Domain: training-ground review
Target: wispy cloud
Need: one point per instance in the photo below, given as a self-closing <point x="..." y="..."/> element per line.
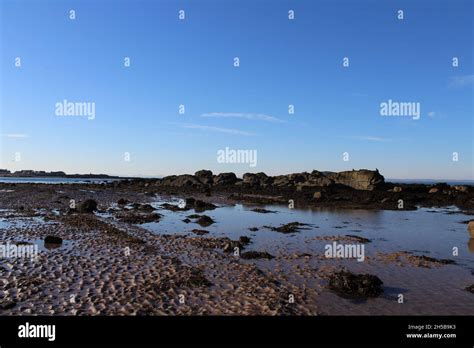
<point x="366" y="138"/>
<point x="15" y="136"/>
<point x="461" y="81"/>
<point x="431" y="114"/>
<point x="213" y="129"/>
<point x="248" y="116"/>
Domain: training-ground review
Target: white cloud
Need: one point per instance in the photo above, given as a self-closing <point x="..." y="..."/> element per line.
<point x="431" y="114"/>
<point x="248" y="116"/>
<point x="16" y="136"/>
<point x="213" y="129"/>
<point x="461" y="81"/>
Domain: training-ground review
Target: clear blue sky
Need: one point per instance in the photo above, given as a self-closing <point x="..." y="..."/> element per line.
<point x="283" y="62"/>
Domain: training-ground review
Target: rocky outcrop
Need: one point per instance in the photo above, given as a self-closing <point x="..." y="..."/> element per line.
<point x="225" y="179"/>
<point x="315" y="179"/>
<point x="204" y="176"/>
<point x="358" y="179"/>
<point x="259" y="179"/>
<point x="184" y="181"/>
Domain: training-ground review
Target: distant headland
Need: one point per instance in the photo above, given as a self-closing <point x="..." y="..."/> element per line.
<point x="56" y="174"/>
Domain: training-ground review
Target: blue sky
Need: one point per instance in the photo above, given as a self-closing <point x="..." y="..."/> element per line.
<point x="282" y="62"/>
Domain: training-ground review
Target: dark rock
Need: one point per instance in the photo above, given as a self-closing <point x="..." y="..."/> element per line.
<point x="253" y="229"/>
<point x="225" y="179"/>
<point x="194" y="216"/>
<point x="263" y="211"/>
<point x="88" y="206"/>
<point x="181" y="181"/>
<point x="122" y="201"/>
<point x="204" y="176"/>
<point x="315" y="179"/>
<point x="146" y="207"/>
<point x="244" y="240"/>
<point x="258" y="179"/>
<point x="190" y="202"/>
<point x="288" y="228"/>
<point x="358" y="285"/>
<point x="202" y="220"/>
<point x="470" y="288"/>
<point x="362" y="179"/>
<point x="53" y="240"/>
<point x="256" y="255"/>
<point x="201" y="205"/>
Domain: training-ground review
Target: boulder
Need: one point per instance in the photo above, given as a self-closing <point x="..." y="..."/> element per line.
<point x="397" y="189"/>
<point x="259" y="179"/>
<point x="244" y="240"/>
<point x="204" y="176"/>
<point x="359" y="285"/>
<point x="88" y="206"/>
<point x="433" y="190"/>
<point x="53" y="240"/>
<point x="363" y="179"/>
<point x="225" y="179"/>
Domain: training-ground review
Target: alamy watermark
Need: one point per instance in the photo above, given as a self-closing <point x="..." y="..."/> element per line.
<point x="345" y="251"/>
<point x="394" y="108"/>
<point x="11" y="250"/>
<point x="237" y="156"/>
<point x="67" y="108"/>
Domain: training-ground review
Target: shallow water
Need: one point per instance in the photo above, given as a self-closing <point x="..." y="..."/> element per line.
<point x="424" y="231"/>
<point x="430" y="232"/>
